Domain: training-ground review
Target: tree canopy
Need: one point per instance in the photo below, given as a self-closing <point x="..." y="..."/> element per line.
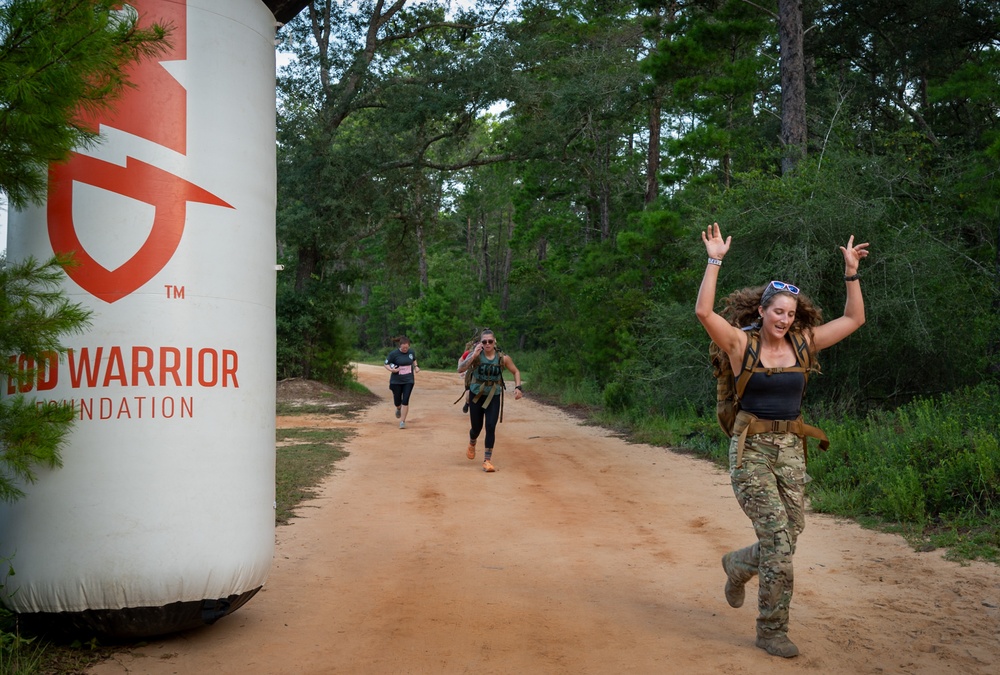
<point x="544" y="167"/>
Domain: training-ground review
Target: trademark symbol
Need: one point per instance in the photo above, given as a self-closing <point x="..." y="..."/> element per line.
<point x="174" y="292"/>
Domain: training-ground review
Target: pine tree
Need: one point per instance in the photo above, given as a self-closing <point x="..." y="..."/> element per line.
<point x="34" y="314"/>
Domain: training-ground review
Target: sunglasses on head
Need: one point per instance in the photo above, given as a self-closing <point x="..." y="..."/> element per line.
<point x="488" y="342"/>
<point x="784" y="286"/>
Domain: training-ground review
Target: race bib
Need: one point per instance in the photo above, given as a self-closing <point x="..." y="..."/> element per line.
<point x="405" y="370"/>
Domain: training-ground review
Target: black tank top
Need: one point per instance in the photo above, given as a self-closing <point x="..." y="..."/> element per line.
<point x="774" y="397"/>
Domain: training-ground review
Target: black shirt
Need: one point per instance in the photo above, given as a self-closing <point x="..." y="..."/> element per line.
<point x="775" y="396"/>
<point x="406" y="362"/>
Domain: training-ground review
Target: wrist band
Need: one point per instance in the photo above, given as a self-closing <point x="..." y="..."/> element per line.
<point x="853" y="277"/>
<point x="715" y="261"/>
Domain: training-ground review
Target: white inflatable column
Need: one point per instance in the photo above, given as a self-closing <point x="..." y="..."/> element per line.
<point x="161" y="517"/>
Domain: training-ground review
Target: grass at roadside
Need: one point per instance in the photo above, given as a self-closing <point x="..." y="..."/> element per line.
<point x="928" y="471"/>
<point x="305" y="456"/>
<point x="25" y="655"/>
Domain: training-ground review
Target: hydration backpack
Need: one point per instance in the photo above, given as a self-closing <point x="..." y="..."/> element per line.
<point x="495" y="375"/>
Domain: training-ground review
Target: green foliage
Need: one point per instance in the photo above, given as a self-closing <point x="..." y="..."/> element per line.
<point x="790" y="229"/>
<point x="59" y="59"/>
<point x="902" y="77"/>
<point x="930" y="461"/>
<point x="31" y="436"/>
<point x="617" y="397"/>
<point x="19" y="655"/>
<point x="34" y="315"/>
<point x="967" y="537"/>
<point x="673" y="371"/>
<point x="312" y="341"/>
<point x="449" y="313"/>
<point x="368" y="133"/>
<point x="716" y="60"/>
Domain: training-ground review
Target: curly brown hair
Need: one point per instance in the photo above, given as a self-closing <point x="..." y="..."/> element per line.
<point x="740" y="308"/>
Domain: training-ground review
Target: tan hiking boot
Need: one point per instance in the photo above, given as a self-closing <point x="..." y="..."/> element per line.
<point x="779" y="645"/>
<point x="488" y="467"/>
<point x="470" y="451"/>
<point x="735" y="590"/>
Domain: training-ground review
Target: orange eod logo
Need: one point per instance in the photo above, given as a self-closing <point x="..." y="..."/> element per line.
<point x="156" y="110"/>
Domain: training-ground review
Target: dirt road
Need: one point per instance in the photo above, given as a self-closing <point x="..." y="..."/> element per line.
<point x="583" y="554"/>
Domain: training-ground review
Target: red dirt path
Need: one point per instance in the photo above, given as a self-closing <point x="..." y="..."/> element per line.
<point x="582" y="554"/>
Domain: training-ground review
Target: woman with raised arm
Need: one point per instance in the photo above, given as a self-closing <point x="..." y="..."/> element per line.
<point x="486" y="389"/>
<point x="767" y="449"/>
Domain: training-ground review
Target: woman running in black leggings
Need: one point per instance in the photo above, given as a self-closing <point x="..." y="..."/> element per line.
<point x="486" y="393"/>
<point x="402" y="363"/>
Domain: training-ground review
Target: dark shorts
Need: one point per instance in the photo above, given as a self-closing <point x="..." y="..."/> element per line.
<point x="401" y="393"/>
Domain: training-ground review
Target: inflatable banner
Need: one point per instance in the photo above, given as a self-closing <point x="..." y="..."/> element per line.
<point x="162" y="515"/>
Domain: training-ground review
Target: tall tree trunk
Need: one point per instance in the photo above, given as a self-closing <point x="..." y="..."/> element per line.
<point x="605" y="197"/>
<point x="653" y="152"/>
<point x="470" y="247"/>
<point x="507" y="261"/>
<point x="993" y="350"/>
<point x="422" y="252"/>
<point x="366" y="297"/>
<point x="485" y="271"/>
<point x="793" y="83"/>
<point x="308" y="262"/>
<point x="418" y="226"/>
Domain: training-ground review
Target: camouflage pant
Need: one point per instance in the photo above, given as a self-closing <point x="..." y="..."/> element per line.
<point x="769" y="487"/>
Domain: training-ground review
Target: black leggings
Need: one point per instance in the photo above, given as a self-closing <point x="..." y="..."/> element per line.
<point x="490" y="415"/>
<point x="401" y="393"/>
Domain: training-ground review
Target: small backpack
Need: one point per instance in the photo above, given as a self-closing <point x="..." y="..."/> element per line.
<point x="468" y="376"/>
<point x="729" y="389"/>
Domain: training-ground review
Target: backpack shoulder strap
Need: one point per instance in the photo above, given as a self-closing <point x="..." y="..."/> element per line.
<point x="751" y="357"/>
<point x="802" y="351"/>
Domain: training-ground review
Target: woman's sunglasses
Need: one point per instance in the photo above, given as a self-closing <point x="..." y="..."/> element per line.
<point x="488" y="342"/>
<point x="784" y="286"/>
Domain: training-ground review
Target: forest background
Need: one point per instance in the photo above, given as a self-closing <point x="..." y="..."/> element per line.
<point x="544" y="167"/>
